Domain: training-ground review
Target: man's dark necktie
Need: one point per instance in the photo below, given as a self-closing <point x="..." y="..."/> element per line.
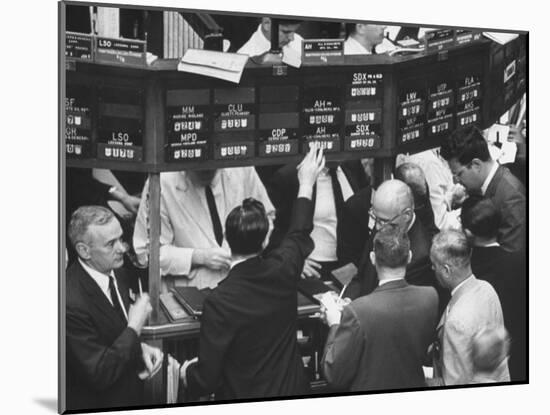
<point x="339" y="206"/>
<point x="114" y="298"/>
<point x="216" y="224"/>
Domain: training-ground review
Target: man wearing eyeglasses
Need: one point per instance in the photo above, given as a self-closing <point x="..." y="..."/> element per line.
<point x="472" y="166"/>
<point x="393" y="203"/>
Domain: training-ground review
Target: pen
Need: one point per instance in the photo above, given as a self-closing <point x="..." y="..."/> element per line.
<point x="140" y="287"/>
<point x="342" y="292"/>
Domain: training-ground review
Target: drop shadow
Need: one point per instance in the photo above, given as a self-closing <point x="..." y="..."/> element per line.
<point x="48" y="403"/>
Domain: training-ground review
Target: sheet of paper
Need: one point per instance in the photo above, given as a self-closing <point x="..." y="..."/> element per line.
<point x="211" y="72"/>
<point x="291" y="57"/>
<point x="328" y="300"/>
<point x="501" y="38"/>
<point x="226" y="66"/>
<point x="508" y="152"/>
<point x="497" y="131"/>
<point x="233" y="62"/>
<point x="385" y="47"/>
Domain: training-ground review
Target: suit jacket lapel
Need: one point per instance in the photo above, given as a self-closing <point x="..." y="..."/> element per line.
<point x="123" y="289"/>
<point x="350" y="177"/>
<point x="493" y="184"/>
<point x="98" y="300"/>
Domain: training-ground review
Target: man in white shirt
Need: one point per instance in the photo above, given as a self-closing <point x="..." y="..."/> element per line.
<point x="474" y="307"/>
<point x="444" y="193"/>
<point x="193" y="209"/>
<point x="341" y="197"/>
<point x="363" y="38"/>
<point x="260" y="41"/>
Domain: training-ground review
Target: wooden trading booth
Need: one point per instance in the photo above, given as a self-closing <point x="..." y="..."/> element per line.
<point x="154" y="119"/>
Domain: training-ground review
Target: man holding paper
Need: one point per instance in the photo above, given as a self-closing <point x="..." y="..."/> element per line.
<point x="379" y="341"/>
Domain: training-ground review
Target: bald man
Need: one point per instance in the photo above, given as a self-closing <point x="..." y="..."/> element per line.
<point x="393" y="205"/>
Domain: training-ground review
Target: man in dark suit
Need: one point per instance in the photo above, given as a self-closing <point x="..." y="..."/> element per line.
<point x="340" y="228"/>
<point x="248" y="346"/>
<point x="471" y="164"/>
<point x="393" y="203"/>
<point x="504" y="270"/>
<point x="379" y="341"/>
<point x="106" y="363"/>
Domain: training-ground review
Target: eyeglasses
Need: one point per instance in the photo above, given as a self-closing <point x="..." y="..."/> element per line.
<point x="384" y="222"/>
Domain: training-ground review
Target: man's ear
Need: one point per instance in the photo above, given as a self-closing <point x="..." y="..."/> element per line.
<point x="266" y="27"/>
<point x="476" y="164"/>
<point x="447" y="269"/>
<point x="82" y="250"/>
<point x="372" y="258"/>
<point x="408" y="215"/>
<point x="266" y="24"/>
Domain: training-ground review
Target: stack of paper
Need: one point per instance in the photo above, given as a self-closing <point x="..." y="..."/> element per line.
<point x="226" y="66"/>
<point x="499" y="37"/>
<point x="172" y="380"/>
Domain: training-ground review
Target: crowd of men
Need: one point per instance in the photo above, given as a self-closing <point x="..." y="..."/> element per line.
<point x="441" y="279"/>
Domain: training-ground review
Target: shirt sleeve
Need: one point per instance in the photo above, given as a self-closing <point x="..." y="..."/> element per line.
<point x="342" y="354"/>
<point x="173" y="260"/>
<point x="441" y="197"/>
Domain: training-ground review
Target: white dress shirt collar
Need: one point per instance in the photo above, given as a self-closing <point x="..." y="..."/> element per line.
<point x="490" y="176"/>
<point x="455" y="289"/>
<point x="381" y="283"/>
<point x="101" y="279"/>
<point x="353" y="47"/>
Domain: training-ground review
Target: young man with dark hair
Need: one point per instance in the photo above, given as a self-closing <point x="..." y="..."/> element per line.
<point x="468" y="155"/>
<point x="363" y="38"/>
<point x="379" y="341"/>
<point x="246" y="228"/>
<point x="504" y="270"/>
<point x="260" y="41"/>
<point x="248" y="346"/>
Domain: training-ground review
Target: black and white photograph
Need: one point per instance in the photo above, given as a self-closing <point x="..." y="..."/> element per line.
<point x="276" y="206"/>
<point x="245" y="207"/>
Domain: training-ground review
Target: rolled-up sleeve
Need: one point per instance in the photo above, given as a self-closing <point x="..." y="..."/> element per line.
<point x="174" y="260"/>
